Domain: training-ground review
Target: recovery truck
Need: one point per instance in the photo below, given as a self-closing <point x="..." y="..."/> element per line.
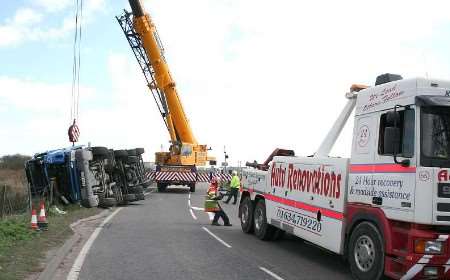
<point x="178" y="165"/>
<point x="387" y="207"/>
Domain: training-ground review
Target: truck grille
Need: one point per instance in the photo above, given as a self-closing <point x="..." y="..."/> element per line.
<point x="443" y="207"/>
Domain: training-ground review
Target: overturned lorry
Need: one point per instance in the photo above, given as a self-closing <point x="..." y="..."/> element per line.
<point x="93" y="176"/>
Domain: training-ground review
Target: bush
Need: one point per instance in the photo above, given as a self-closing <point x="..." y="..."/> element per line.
<point x="14" y="162"/>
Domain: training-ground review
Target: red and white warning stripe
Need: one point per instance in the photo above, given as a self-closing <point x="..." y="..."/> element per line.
<point x="424" y="260"/>
<point x="188" y="176"/>
<point x="176" y="176"/>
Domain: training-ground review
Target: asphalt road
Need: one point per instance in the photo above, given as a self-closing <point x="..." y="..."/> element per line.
<point x="160" y="238"/>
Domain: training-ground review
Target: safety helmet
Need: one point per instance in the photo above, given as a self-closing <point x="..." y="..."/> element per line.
<point x="215" y="180"/>
<point x="234" y="172"/>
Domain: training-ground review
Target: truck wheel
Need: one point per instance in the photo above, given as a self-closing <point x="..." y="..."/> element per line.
<point x="107" y="202"/>
<point x="246" y="215"/>
<point x="140" y="196"/>
<point x="132" y="152"/>
<point x="100" y="152"/>
<point x="147" y="184"/>
<point x="139" y="192"/>
<point x="366" y="252"/>
<point x="130" y="197"/>
<point x="192" y="187"/>
<point x="132" y="159"/>
<point x="161" y="187"/>
<point x="120" y="153"/>
<point x="263" y="230"/>
<point x="137" y="189"/>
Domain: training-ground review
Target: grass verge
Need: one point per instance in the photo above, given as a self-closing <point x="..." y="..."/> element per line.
<point x="23" y="251"/>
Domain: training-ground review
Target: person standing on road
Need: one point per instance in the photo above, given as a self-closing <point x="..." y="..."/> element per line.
<point x="212" y="204"/>
<point x="235" y="184"/>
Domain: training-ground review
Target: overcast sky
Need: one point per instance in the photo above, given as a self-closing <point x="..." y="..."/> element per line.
<point x="253" y="75"/>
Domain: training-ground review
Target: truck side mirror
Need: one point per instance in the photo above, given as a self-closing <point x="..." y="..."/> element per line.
<point x="391" y="140"/>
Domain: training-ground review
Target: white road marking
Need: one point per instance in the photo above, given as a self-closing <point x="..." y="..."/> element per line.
<point x="76" y="267"/>
<point x="198" y="208"/>
<point x="192" y="214"/>
<point x="189" y="196"/>
<point x="217" y="238"/>
<point x="189" y="203"/>
<point x="270" y="273"/>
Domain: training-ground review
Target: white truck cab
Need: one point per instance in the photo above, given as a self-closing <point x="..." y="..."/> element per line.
<point x="387" y="208"/>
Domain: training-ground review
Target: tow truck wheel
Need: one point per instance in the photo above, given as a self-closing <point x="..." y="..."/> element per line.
<point x="366" y="252"/>
<point x="246" y="215"/>
<point x="263" y="230"/>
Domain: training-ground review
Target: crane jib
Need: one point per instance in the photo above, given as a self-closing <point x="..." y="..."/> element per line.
<point x="147" y="47"/>
<point x="136" y="8"/>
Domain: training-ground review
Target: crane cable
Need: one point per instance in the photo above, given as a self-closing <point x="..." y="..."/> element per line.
<point x="74" y="131"/>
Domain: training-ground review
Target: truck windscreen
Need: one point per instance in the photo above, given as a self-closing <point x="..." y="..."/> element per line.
<point x="435" y="148"/>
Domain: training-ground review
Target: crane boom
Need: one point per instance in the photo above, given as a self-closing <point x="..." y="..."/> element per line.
<point x="143" y="38"/>
<point x="176" y="119"/>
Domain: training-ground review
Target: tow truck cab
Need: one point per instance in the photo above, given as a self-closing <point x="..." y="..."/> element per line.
<point x="387" y="208"/>
<point x="398" y="174"/>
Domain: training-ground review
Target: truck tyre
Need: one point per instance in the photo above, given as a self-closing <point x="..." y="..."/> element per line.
<point x="140" y="151"/>
<point x="161" y="187"/>
<point x="107" y="202"/>
<point x="263" y="230"/>
<point x="246" y="215"/>
<point x="192" y="187"/>
<point x="132" y="152"/>
<point x="140" y="196"/>
<point x="137" y="189"/>
<point x="366" y="252"/>
<point x="132" y="159"/>
<point x="139" y="192"/>
<point x="120" y="153"/>
<point x="147" y="184"/>
<point x="130" y="197"/>
<point x="100" y="152"/>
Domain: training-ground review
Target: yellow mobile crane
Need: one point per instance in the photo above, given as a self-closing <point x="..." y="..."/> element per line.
<point x="178" y="166"/>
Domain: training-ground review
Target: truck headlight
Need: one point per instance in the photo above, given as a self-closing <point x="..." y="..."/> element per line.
<point x="431" y="247"/>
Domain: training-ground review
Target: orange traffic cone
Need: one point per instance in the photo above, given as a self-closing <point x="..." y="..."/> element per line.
<point x="42" y="219"/>
<point x="34" y="223"/>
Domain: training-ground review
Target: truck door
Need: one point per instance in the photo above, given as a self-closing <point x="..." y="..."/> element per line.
<point x="394" y="184"/>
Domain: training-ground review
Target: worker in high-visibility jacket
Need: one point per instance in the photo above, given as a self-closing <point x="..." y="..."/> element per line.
<point x="212" y="204"/>
<point x="235" y="184"/>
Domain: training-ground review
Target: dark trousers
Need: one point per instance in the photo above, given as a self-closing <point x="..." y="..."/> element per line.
<point x="221" y="214"/>
<point x="233" y="193"/>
